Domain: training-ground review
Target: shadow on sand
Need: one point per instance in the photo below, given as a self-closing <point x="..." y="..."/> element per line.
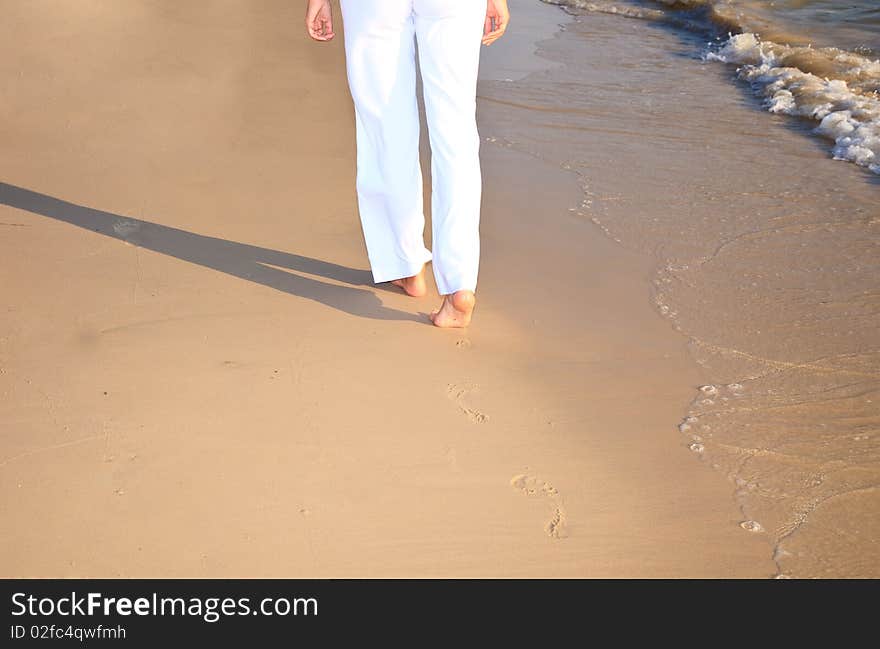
<point x="252" y="263"/>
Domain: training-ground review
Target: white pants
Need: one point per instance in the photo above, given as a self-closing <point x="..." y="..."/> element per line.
<point x="380" y="54"/>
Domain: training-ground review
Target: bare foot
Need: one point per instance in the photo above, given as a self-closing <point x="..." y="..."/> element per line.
<point x="415" y="285"/>
<point x="456" y="310"/>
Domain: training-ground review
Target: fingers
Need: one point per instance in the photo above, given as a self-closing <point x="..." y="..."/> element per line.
<point x="327" y="25"/>
<point x="494" y="35"/>
<point x="495" y="27"/>
<point x="319" y="23"/>
<point x="321" y="29"/>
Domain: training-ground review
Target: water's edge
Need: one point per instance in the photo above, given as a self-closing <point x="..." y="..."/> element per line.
<point x="791" y="423"/>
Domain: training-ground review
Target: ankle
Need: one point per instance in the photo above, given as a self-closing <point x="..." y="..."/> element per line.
<point x="463" y="300"/>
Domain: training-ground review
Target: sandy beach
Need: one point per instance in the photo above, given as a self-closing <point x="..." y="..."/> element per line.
<point x="199" y="379"/>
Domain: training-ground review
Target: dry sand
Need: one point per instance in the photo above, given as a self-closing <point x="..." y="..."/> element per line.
<point x="198" y="379"/>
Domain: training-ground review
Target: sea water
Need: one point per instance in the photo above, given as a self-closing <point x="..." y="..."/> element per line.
<point x="704" y="138"/>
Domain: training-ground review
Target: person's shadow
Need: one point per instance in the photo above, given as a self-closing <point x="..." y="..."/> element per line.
<point x="252" y="263"/>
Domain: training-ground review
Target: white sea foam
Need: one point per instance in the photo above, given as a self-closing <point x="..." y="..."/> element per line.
<point x="838" y="88"/>
<point x="847" y="108"/>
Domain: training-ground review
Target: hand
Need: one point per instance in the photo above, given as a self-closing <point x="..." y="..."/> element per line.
<point x="497" y="18"/>
<point x="319" y="20"/>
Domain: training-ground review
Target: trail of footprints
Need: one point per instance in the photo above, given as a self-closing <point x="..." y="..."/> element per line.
<point x="458" y="393"/>
<point x="557" y="526"/>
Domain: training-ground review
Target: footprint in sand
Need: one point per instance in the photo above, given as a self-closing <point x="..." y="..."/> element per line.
<point x="531" y="486"/>
<point x="458" y="393"/>
<point x="452" y="459"/>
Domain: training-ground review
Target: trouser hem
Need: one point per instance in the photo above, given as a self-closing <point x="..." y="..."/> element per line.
<point x="405" y="269"/>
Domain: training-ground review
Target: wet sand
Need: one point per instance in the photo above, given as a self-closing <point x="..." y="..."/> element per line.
<point x="197" y="377"/>
<point x="765" y="252"/>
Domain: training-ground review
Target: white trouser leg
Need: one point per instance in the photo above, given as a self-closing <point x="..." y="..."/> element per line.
<point x="449" y="34"/>
<point x="380" y="60"/>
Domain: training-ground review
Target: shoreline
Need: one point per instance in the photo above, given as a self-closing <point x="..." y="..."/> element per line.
<point x="210" y="386"/>
<point x="764" y="261"/>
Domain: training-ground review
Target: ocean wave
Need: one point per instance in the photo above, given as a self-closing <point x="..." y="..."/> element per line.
<point x="838" y="88"/>
<point x="696" y="15"/>
<point x="855" y="26"/>
<point x="610" y="8"/>
<point x="846" y="105"/>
